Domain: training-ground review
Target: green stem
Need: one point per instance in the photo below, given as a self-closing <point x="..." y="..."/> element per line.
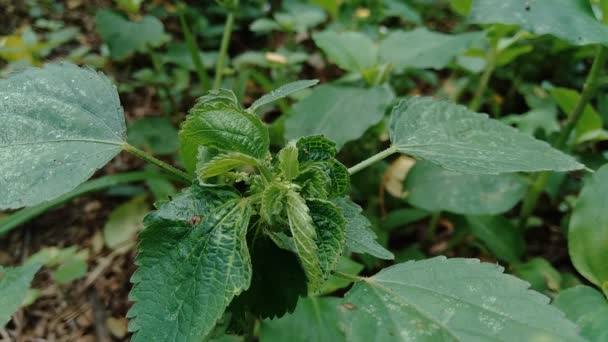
<point x="540" y="180"/>
<point x="219" y="67"/>
<point x="347" y="276"/>
<point x="157" y="162"/>
<point x="483" y="81"/>
<point x="24" y="215"/>
<point x="371" y="160"/>
<point x="194" y="52"/>
<point x="430" y="233"/>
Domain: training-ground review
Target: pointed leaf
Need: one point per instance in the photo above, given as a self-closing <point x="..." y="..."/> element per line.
<point x="14" y="284"/>
<point x="225" y="162"/>
<point x="58" y="125"/>
<point x="460" y="140"/>
<point x="288" y="162"/>
<point x="315" y="148"/>
<point x="352" y="51"/>
<point x="281" y="92"/>
<point x="330" y="226"/>
<point x="587" y="308"/>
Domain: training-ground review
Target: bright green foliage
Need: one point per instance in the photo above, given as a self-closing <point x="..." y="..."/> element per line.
<point x="422" y="48"/>
<point x="66" y="264"/>
<point x="360" y="238"/>
<point x="124" y="222"/>
<point x="59" y="124"/>
<point x="340" y="113"/>
<point x="125" y="37"/>
<point x="329" y="224"/>
<point x="224" y="163"/>
<point x="288" y="162"/>
<point x="281" y="92"/>
<point x="154" y="134"/>
<point x="461" y="6"/>
<point x="352" y="51"/>
<point x="461" y="193"/>
<point x="588" y="230"/>
<point x="443" y="299"/>
<point x="460" y="140"/>
<point x="14" y="284"/>
<point x="590" y="126"/>
<point x="190" y="270"/>
<point x="587" y="308"/>
<point x="544" y="17"/>
<point x="499" y="235"/>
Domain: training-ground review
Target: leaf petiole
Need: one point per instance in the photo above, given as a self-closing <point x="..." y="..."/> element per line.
<point x="157" y="162"/>
<point x="347" y="276"/>
<point x="371" y="160"/>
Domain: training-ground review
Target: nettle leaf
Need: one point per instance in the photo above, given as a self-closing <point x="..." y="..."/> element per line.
<point x="288" y="162"/>
<point x="457" y="139"/>
<point x="190" y="270"/>
<point x="217" y="121"/>
<point x="461" y="193"/>
<point x="340" y="113"/>
<point x="443" y="299"/>
<point x="588" y="230"/>
<point x="14" y="284"/>
<point x="499" y="235"/>
<point x="281" y="92"/>
<point x="544" y="17"/>
<point x="587" y="308"/>
<point x="314" y="181"/>
<point x="225" y="162"/>
<point x="360" y="238"/>
<point x="422" y="48"/>
<point x="352" y="51"/>
<point x="340" y="179"/>
<point x="330" y="227"/>
<point x="315" y="148"/>
<point x="125" y="37"/>
<point x="273" y="202"/>
<point x="58" y="125"/>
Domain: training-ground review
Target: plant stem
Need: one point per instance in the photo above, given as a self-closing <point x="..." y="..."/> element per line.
<point x="371" y="160"/>
<point x="348" y="276"/>
<point x="430" y="233"/>
<point x="157" y="162"/>
<point x="194" y="52"/>
<point x="219" y="66"/>
<point x="475" y="103"/>
<point x="540" y="180"/>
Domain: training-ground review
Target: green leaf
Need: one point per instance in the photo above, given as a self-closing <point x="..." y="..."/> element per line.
<point x="330" y="226"/>
<point x="339" y="113"/>
<point x="14" y="284"/>
<point x="588" y="230"/>
<point x="73" y="268"/>
<point x="125" y="37"/>
<point x="360" y="238"/>
<point x="501" y="237"/>
<point x="589" y="127"/>
<point x="124" y="222"/>
<point x="352" y="51"/>
<point x="541" y="275"/>
<point x="460" y="140"/>
<point x="461" y="6"/>
<point x="340" y="179"/>
<point x="281" y="92"/>
<point x="223" y="163"/>
<point x="155" y="134"/>
<point x="273" y="202"/>
<point x="423" y="49"/>
<point x="544" y="17"/>
<point x="315" y="148"/>
<point x="59" y="124"/>
<point x="314" y="320"/>
<point x="461" y="193"/>
<point x="587" y="308"/>
<point x="288" y="162"/>
<point x="189" y="271"/>
<point x="346" y="266"/>
<point x="443" y="299"/>
<point x="304" y="237"/>
<point x="217" y="121"/>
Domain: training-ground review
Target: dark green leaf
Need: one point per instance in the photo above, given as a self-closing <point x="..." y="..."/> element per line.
<point x="587" y="308"/>
<point x="330" y="226"/>
<point x="501" y="237"/>
<point x="315" y="148"/>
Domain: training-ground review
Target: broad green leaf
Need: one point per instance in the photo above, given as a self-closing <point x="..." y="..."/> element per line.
<point x="154" y="134"/>
<point x="499" y="235"/>
<point x="462" y="193"/>
<point x="14" y="284"/>
<point x="281" y="92"/>
<point x="288" y="162"/>
<point x="352" y="51"/>
<point x="304" y="237"/>
<point x="570" y="20"/>
<point x="340" y="179"/>
<point x="190" y="270"/>
<point x="330" y="226"/>
<point x="589" y="126"/>
<point x="543" y="118"/>
<point x="59" y="124"/>
<point x="125" y="37"/>
<point x="340" y="113"/>
<point x="443" y="299"/>
<point x="588" y="230"/>
<point x="360" y="238"/>
<point x="225" y="162"/>
<point x="422" y="48"/>
<point x="315" y="148"/>
<point x="541" y="275"/>
<point x="460" y="140"/>
<point x="124" y="222"/>
<point x="314" y="320"/>
<point x="217" y="121"/>
<point x="587" y="308"/>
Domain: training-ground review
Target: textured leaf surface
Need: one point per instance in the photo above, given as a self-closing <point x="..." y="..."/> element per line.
<point x="330" y="226"/>
<point x="499" y="235"/>
<point x="360" y="238"/>
<point x="587" y="308"/>
<point x="352" y="51"/>
<point x="288" y="162"/>
<point x="225" y="162"/>
<point x="281" y="92"/>
<point x="443" y="299"/>
<point x="339" y="113"/>
<point x="190" y="270"/>
<point x="460" y="140"/>
<point x="588" y="232"/>
<point x="14" y="284"/>
<point x="315" y="148"/>
<point x="570" y="20"/>
<point x="58" y="125"/>
<point x="461" y="193"/>
<point x="422" y="48"/>
<point x="124" y="37"/>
